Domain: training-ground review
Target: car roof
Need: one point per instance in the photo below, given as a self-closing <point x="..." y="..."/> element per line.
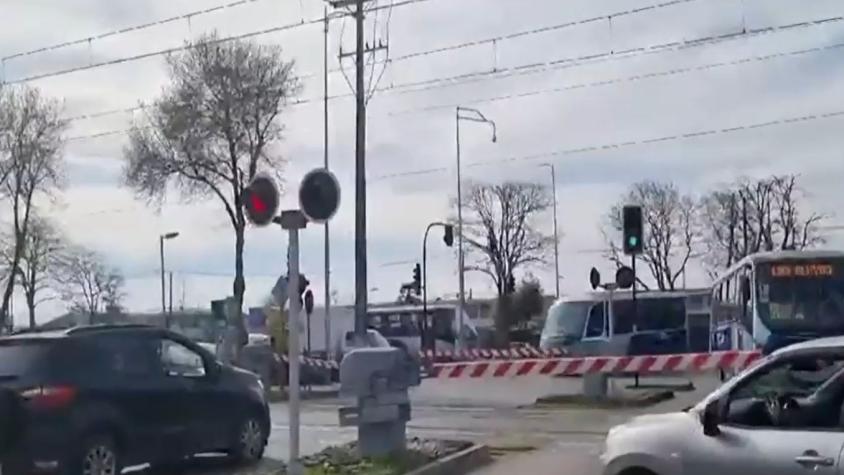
<point x="831" y="342"/>
<point x="81" y="331"/>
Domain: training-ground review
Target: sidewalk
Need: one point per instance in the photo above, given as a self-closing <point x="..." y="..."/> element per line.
<point x="570" y="458"/>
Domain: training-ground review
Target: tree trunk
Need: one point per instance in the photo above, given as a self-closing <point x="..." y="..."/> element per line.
<point x="30" y="303"/>
<point x="239" y="287"/>
<point x="502" y="321"/>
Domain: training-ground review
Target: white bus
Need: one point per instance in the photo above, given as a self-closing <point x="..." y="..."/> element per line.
<point x="771" y="299"/>
<point x="402" y="326"/>
<point x="605" y="323"/>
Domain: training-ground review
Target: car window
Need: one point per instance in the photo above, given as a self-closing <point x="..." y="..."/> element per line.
<point x="799" y="378"/>
<point x="179" y="360"/>
<point x="17" y="358"/>
<point x="125" y="355"/>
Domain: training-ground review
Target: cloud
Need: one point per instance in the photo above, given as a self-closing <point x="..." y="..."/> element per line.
<point x="98" y="212"/>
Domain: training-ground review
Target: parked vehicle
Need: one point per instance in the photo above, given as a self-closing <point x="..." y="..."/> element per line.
<point x="612" y="323"/>
<point x="99" y="398"/>
<point x="781" y="416"/>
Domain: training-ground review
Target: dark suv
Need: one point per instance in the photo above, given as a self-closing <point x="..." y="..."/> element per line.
<point x="92" y="400"/>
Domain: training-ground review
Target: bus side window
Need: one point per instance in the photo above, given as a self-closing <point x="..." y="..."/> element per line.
<point x="596" y="323"/>
<point x="624" y="318"/>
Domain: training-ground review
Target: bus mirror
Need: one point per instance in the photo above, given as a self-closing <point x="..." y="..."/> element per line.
<point x="744" y="288"/>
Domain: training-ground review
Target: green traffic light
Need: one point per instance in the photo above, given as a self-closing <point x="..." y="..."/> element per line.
<point x="633" y="241"/>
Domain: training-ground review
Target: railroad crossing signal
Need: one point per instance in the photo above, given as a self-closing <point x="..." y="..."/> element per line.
<point x="319" y="195"/>
<point x="260" y="199"/>
<point x="633" y="232"/>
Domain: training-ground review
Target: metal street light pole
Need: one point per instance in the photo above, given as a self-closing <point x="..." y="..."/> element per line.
<point x="161" y="239"/>
<point x="477" y="116"/>
<point x="556" y="236"/>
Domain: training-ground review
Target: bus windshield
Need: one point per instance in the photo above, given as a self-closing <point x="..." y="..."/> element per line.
<point x="801" y="295"/>
<point x="566" y="318"/>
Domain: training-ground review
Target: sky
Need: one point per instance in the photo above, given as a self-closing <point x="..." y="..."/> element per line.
<point x="582" y="84"/>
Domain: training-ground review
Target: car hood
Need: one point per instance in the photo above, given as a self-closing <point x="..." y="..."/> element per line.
<point x="660" y="422"/>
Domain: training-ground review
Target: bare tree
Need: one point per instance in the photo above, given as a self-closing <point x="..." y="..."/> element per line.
<point x="86" y="283"/>
<point x="212" y="129"/>
<point x="756" y="215"/>
<point x="38" y="263"/>
<point x="499" y="231"/>
<point x="30" y="156"/>
<point x="669" y="218"/>
<point x="502" y="238"/>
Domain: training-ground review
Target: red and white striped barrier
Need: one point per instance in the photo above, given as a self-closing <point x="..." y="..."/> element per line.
<point x="685" y="363"/>
<point x="524" y="352"/>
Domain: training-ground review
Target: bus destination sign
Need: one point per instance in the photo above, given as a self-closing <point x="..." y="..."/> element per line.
<point x="802" y="270"/>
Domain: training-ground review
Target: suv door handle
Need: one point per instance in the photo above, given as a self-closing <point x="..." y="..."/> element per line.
<point x="812" y="459"/>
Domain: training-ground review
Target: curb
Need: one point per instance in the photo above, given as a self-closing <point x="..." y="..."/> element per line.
<point x="580" y="401"/>
<point x="461" y="462"/>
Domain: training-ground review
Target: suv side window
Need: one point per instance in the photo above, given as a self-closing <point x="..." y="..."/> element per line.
<point x="179" y="360"/>
<point x="124" y="355"/>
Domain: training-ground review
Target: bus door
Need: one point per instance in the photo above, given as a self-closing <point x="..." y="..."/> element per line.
<point x="596" y="332"/>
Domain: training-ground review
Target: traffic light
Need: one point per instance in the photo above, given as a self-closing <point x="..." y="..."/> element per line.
<point x="309" y="302"/>
<point x="417" y="279"/>
<point x="633" y="233"/>
<point x="260" y="199"/>
<point x="448" y="237"/>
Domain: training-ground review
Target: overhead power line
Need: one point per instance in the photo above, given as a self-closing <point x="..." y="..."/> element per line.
<point x="625" y="144"/>
<point x="176" y="49"/>
<point x="129" y="29"/>
<point x="533" y="68"/>
<point x="538" y="92"/>
<point x="626" y="79"/>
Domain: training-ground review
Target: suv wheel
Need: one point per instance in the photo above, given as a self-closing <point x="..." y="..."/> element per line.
<point x="250" y="441"/>
<point x="99" y="456"/>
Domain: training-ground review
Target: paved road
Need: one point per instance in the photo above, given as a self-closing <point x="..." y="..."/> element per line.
<point x="496" y="412"/>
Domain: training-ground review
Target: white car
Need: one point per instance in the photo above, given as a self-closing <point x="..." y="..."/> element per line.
<point x="784" y="415"/>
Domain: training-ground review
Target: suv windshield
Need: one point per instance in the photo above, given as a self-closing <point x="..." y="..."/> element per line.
<point x="19" y="357"/>
<point x="801" y="296"/>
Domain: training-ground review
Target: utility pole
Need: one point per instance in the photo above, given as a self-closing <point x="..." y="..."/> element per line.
<point x="361" y="49"/>
<point x="327" y="250"/>
<point x="556" y="236"/>
<point x="360" y="180"/>
<point x="170" y="311"/>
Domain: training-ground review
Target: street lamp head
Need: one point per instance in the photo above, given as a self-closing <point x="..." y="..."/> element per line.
<point x="494" y="137"/>
<point x="170" y="235"/>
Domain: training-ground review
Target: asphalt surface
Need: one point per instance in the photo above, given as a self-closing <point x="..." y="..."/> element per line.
<point x="498" y="413"/>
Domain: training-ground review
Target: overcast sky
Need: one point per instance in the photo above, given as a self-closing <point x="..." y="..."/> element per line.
<point x="711" y="86"/>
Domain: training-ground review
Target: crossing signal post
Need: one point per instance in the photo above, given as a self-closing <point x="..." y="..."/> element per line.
<point x="319" y="198"/>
